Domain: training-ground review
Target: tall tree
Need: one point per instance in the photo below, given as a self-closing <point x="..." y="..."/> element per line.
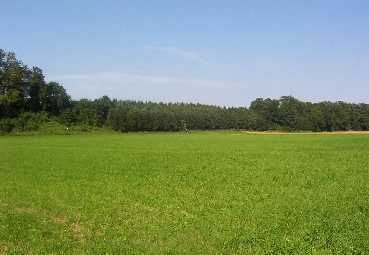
<point x="269" y="112"/>
<point x="56" y="98"/>
<point x="37" y="90"/>
<point x="13" y="85"/>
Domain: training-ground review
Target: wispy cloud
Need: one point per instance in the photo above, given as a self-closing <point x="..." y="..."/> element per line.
<point x="175" y="51"/>
<point x="131" y="78"/>
<point x="188" y="55"/>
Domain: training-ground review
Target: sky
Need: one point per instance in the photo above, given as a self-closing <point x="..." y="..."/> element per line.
<point x="224" y="53"/>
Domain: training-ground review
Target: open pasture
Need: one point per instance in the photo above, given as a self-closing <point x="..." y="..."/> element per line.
<point x="175" y="193"/>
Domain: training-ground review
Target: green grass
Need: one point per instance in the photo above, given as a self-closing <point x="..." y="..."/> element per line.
<point x="174" y="193"/>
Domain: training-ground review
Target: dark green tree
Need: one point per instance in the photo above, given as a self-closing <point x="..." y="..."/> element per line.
<point x="37" y="90"/>
<point x="269" y="112"/>
<point x="13" y="85"/>
<point x="56" y="98"/>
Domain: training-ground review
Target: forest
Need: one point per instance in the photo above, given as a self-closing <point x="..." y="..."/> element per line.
<point x="27" y="101"/>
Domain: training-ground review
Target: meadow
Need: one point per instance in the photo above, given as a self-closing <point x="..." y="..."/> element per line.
<point x="175" y="193"/>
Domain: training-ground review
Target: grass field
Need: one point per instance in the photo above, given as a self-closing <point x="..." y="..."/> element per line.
<point x="175" y="193"/>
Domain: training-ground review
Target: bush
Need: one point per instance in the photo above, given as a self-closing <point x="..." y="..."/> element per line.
<point x="54" y="128"/>
<point x="24" y="122"/>
<point x="7" y="126"/>
<point x="34" y="121"/>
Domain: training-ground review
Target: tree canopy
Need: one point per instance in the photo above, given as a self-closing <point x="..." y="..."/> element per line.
<point x="25" y="90"/>
<point x="26" y="100"/>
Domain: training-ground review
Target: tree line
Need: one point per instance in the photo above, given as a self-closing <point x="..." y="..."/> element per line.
<point x="27" y="101"/>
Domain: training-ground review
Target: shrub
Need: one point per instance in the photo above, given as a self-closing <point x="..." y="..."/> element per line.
<point x="54" y="128"/>
<point x="7" y="126"/>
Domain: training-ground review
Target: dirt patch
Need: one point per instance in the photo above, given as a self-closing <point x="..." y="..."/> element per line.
<point x="306" y="133"/>
<point x="24" y="210"/>
<point x="79" y="232"/>
<point x="352" y="132"/>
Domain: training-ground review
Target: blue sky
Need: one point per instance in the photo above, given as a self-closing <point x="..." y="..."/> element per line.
<point x="225" y="53"/>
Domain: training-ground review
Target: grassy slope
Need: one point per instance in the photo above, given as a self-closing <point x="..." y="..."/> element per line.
<point x="201" y="193"/>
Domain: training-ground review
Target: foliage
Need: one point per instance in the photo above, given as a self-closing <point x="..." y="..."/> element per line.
<point x="54" y="128"/>
<point x="24" y="94"/>
<point x="24" y="123"/>
<point x="203" y="193"/>
<point x="25" y="90"/>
